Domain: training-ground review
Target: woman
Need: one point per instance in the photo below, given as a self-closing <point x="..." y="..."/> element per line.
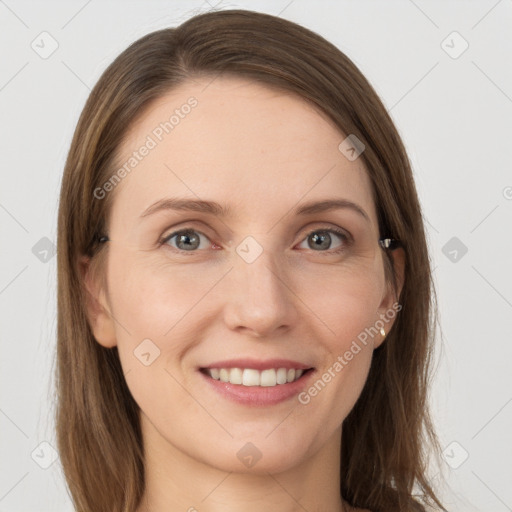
<point x="244" y="296"/>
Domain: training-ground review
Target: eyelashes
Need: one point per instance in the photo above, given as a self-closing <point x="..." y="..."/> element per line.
<point x="191" y="237"/>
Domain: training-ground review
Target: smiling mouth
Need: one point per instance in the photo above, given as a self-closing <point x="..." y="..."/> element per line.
<point x="255" y="378"/>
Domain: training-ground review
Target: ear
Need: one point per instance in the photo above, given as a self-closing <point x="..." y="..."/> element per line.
<point x="97" y="308"/>
<point x="389" y="308"/>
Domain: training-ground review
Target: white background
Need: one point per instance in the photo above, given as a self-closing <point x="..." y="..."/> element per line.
<point x="455" y="117"/>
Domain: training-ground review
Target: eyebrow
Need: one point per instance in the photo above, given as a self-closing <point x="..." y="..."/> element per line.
<point x="214" y="208"/>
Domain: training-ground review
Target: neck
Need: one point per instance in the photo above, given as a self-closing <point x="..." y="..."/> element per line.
<point x="175" y="481"/>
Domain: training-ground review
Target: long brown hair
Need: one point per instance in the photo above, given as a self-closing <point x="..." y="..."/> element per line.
<point x="388" y="436"/>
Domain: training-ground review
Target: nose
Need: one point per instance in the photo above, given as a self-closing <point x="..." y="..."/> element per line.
<point x="259" y="299"/>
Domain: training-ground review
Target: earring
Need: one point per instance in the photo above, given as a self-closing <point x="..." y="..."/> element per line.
<point x="383" y="332"/>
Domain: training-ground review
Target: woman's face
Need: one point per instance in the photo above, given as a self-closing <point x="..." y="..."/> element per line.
<point x="257" y="286"/>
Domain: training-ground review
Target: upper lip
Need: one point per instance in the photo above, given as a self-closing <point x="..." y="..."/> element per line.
<point x="259" y="364"/>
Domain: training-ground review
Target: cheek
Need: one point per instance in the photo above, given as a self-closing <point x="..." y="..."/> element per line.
<point x="345" y="303"/>
<point x="150" y="306"/>
<point x="346" y="306"/>
<point x="151" y="299"/>
<point x="160" y="310"/>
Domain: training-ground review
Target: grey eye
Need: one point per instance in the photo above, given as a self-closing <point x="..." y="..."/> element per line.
<point x="186" y="240"/>
<point x="321" y="240"/>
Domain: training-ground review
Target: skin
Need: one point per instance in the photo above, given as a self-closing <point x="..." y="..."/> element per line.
<point x="262" y="152"/>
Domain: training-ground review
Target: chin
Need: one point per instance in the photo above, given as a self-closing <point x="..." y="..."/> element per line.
<point x="260" y="454"/>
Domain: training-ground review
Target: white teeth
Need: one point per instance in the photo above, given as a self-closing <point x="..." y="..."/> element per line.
<point x="268" y="378"/>
<point x="250" y="377"/>
<point x="236" y="376"/>
<point x="281" y="376"/>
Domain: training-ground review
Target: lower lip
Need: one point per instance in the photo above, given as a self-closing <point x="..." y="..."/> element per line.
<point x="259" y="395"/>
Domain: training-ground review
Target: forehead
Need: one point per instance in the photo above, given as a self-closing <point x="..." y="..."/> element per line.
<point x="240" y="143"/>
